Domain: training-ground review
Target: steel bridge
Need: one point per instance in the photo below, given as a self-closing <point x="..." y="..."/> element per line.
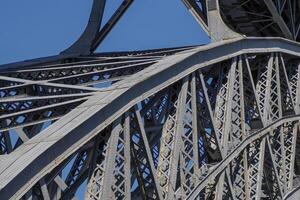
<point x="219" y="121"/>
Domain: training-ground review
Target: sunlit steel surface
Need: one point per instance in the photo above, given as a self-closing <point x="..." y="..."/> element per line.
<point x="219" y="121"/>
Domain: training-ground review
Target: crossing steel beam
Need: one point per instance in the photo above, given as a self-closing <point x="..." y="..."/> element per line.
<point x="219" y="121"/>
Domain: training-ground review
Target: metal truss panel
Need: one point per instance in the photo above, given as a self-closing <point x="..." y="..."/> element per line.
<point x="219" y="121"/>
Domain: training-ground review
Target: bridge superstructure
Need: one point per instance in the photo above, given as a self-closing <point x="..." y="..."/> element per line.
<point x="219" y="121"/>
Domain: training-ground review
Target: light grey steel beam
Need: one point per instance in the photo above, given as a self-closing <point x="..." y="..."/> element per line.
<point x="116" y="69"/>
<point x="45" y="83"/>
<point x="165" y="72"/>
<point x="199" y="15"/>
<point x="22" y="134"/>
<point x="58" y="60"/>
<point x="278" y="19"/>
<point x="252" y="137"/>
<point x="36" y="110"/>
<point x="37" y="98"/>
<point x="45" y="191"/>
<point x="57" y="179"/>
<point x="272" y="141"/>
<point x="105" y="65"/>
<point x="148" y="152"/>
<point x="217" y="28"/>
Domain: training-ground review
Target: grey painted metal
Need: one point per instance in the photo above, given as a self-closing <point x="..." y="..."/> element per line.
<point x="240" y="44"/>
<point x="219" y="121"/>
<point x="94" y="34"/>
<point x="84" y="43"/>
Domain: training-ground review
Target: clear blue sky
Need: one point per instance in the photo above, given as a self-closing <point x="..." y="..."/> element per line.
<point x="36" y="28"/>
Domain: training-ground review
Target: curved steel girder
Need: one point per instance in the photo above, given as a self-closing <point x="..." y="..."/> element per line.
<point x="235" y="152"/>
<point x="89" y="40"/>
<point x="293" y="195"/>
<point x="81" y="46"/>
<point x="84" y="42"/>
<point x="93" y="34"/>
<point x="42" y="153"/>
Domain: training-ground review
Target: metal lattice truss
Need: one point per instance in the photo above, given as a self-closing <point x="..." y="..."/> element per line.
<point x="33" y="98"/>
<point x="280" y="18"/>
<point x="260" y="18"/>
<point x="220" y="121"/>
<point x="204" y="123"/>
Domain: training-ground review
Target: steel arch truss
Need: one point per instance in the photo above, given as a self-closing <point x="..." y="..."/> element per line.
<point x="183" y="135"/>
<point x="33" y="98"/>
<point x="221" y="121"/>
<point x="229" y="130"/>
